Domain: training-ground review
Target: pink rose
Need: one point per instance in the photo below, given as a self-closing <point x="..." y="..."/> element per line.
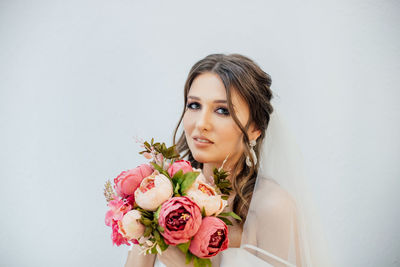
<point x="183" y="165"/>
<point x="211" y="238"/>
<point x="181" y="218"/>
<point x="127" y="182"/>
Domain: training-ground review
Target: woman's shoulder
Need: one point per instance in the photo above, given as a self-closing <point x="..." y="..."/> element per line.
<point x="271" y="197"/>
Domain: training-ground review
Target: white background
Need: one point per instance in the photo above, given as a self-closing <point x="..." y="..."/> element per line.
<point x="80" y="79"/>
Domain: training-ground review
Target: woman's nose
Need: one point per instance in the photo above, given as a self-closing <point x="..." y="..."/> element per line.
<point x="204" y="122"/>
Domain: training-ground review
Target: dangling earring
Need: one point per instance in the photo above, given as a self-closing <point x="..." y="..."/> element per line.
<point x="253" y="154"/>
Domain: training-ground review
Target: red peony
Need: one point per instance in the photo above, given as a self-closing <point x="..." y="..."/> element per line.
<point x="181" y="218"/>
<point x="211" y="238"/>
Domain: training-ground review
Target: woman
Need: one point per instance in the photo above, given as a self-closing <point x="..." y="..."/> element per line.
<point x="226" y="115"/>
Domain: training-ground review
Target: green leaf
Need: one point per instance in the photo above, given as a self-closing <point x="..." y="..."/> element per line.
<point x="199" y="262"/>
<point x="160" y="228"/>
<point x="225" y="220"/>
<point x="184" y="247"/>
<point x="157" y="167"/>
<point x="156" y="214"/>
<point x="203" y="212"/>
<point x="177" y="187"/>
<point x="196" y="262"/>
<point x="232" y="214"/>
<point x="188" y="180"/>
<point x="145" y="213"/>
<point x="145" y="221"/>
<point x="225" y="197"/>
<point x="189" y="257"/>
<point x="148" y="231"/>
<point x="205" y="262"/>
<point x="178" y="175"/>
<point x="157" y="236"/>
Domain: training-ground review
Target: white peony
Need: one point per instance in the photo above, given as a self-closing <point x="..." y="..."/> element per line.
<point x="153" y="191"/>
<point x="130" y="225"/>
<point x="205" y="196"/>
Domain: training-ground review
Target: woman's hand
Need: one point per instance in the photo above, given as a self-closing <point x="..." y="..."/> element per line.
<point x="137" y="259"/>
<point x="173" y="256"/>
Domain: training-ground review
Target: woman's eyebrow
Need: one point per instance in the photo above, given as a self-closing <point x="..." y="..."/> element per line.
<point x="215" y="101"/>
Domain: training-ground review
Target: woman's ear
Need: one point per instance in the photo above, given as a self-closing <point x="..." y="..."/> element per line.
<point x="254" y="132"/>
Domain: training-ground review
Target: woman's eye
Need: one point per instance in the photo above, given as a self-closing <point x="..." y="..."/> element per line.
<point x="223" y="111"/>
<point x="193" y="105"/>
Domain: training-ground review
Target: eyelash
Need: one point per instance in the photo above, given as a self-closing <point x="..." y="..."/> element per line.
<point x="225" y="113"/>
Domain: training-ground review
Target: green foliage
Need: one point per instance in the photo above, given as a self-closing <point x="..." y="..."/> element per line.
<point x="221" y="182"/>
<point x="203" y="212"/>
<point x="182" y="182"/>
<point x="184" y="247"/>
<point x="159" y="169"/>
<point x="189" y="257"/>
<point x="199" y="262"/>
<point x="223" y="216"/>
<point x="232" y="214"/>
<point x="225" y="220"/>
<point x="167" y="152"/>
<point x="188" y="180"/>
<point x="150" y="221"/>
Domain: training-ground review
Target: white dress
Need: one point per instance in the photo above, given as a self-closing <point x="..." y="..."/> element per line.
<point x="240" y="257"/>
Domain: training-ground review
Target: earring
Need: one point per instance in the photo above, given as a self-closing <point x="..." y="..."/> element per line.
<point x="253" y="154"/>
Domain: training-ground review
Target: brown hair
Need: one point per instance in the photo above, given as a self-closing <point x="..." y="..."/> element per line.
<point x="253" y="85"/>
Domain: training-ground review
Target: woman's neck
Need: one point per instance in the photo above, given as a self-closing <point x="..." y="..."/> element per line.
<point x="208" y="170"/>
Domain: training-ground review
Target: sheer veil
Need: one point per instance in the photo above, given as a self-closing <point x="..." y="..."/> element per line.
<point x="282" y="227"/>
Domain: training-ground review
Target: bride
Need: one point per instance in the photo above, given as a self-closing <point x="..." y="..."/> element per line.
<point x="228" y="115"/>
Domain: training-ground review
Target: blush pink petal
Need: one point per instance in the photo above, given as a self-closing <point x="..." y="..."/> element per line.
<point x="183" y="165"/>
<point x="127" y="182"/>
<point x="200" y="242"/>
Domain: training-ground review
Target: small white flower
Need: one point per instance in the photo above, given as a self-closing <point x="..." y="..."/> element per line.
<point x="158" y="249"/>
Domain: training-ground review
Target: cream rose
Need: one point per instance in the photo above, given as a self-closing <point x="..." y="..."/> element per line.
<point x="206" y="197"/>
<point x="153" y="191"/>
<point x="130" y="226"/>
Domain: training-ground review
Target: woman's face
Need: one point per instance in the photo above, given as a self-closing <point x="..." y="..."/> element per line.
<point x="210" y="130"/>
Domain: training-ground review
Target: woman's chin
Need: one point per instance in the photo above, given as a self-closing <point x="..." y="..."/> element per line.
<point x="202" y="158"/>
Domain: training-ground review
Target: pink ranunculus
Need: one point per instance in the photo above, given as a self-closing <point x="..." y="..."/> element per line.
<point x="118" y="208"/>
<point x="116" y="236"/>
<point x="181" y="218"/>
<point x="210" y="239"/>
<point x="127" y="182"/>
<point x="183" y="165"/>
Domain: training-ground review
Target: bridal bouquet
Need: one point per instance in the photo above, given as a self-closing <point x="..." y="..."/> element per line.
<point x="168" y="202"/>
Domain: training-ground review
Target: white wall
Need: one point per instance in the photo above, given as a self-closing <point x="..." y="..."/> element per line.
<point x="79" y="79"/>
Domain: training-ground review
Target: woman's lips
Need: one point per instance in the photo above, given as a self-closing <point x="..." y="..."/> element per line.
<point x="201" y="141"/>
